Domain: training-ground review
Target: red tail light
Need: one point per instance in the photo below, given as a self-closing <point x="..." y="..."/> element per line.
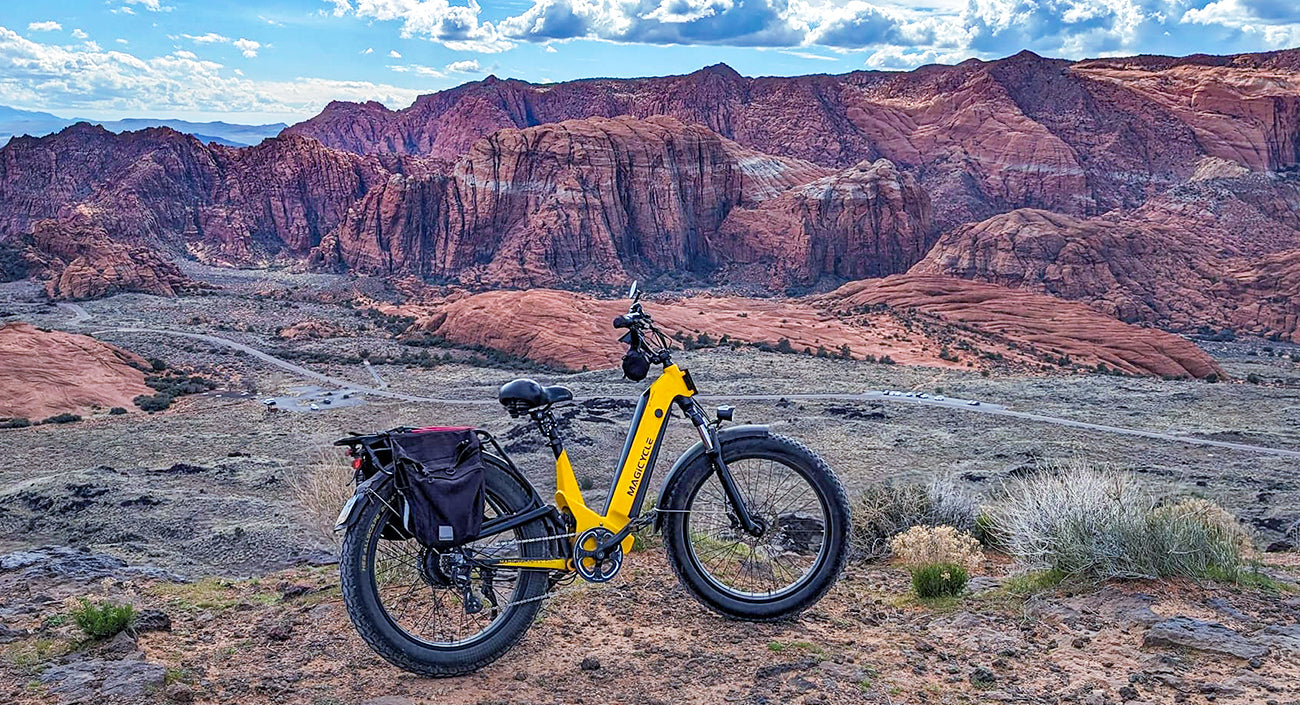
<point x="356" y="463"/>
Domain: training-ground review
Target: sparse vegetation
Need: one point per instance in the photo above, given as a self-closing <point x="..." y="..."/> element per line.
<point x="116" y="411"/>
<point x="169" y="387"/>
<point x="885" y="510"/>
<point x="103" y="619"/>
<point x="1078" y="520"/>
<point x="15" y="423"/>
<point x="321" y="487"/>
<point x="939" y="559"/>
<point x="62" y="418"/>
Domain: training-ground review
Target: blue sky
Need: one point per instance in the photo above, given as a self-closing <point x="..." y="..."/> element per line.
<point x="284" y="59"/>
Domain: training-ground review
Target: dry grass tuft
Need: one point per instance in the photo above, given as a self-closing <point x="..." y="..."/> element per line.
<point x="886" y="510"/>
<point x="322" y="486"/>
<point x="1100" y="524"/>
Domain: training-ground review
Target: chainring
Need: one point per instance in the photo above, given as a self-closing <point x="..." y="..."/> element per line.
<point x="590" y="563"/>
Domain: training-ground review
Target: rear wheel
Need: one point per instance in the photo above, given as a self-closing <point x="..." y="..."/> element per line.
<point x="801" y="550"/>
<point x="408" y="602"/>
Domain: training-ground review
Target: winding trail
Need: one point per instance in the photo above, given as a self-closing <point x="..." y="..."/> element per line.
<point x="954" y="404"/>
<point x="79" y="313"/>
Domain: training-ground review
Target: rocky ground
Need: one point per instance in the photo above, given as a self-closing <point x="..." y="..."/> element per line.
<point x="191" y="512"/>
<point x="284" y="637"/>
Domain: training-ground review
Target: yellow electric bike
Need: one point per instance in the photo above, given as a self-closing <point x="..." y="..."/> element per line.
<point x="755" y="525"/>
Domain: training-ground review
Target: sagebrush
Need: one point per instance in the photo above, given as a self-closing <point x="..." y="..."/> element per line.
<point x="1080" y="520"/>
<point x="883" y="511"/>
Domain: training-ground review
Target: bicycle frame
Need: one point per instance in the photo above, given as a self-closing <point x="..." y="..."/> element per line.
<point x="627" y="492"/>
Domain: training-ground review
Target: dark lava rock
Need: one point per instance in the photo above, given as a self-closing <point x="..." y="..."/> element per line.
<point x="1280" y="547"/>
<point x="590" y="664"/>
<point x="1128" y="692"/>
<point x="65" y="562"/>
<point x="184" y="469"/>
<point x="151" y="621"/>
<point x="289" y="590"/>
<point x="1191" y="633"/>
<point x="982" y="676"/>
<point x="108" y="681"/>
<point x="8" y="635"/>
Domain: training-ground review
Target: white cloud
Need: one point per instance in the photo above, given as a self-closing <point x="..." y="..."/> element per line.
<point x="394" y="54"/>
<point x="807" y="55"/>
<point x="417" y="69"/>
<point x="150" y="5"/>
<point x="209" y="38"/>
<point x="123" y="10"/>
<point x="121" y="41"/>
<point x="551" y="50"/>
<point x="369" y="50"/>
<point x="47" y="26"/>
<point x="52" y="77"/>
<point x="466" y="66"/>
<point x="888" y="33"/>
<point x="79" y="34"/>
<point x="247" y="47"/>
<point x="456" y="27"/>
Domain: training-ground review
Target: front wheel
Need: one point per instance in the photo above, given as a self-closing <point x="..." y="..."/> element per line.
<point x="804" y="515"/>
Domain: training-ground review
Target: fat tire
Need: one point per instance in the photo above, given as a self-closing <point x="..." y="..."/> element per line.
<point x="394" y="644"/>
<point x="824" y="483"/>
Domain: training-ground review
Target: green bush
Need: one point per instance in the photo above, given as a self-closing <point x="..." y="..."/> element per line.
<point x="62" y="418"/>
<point x="15" y="423"/>
<point x="154" y="402"/>
<point x="116" y="411"/>
<point x="939" y="580"/>
<point x="102" y="620"/>
<point x="1081" y="521"/>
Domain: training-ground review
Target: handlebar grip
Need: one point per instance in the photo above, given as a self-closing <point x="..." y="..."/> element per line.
<point x="623" y="322"/>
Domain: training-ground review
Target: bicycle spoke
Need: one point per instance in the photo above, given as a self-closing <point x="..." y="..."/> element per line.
<point x="784" y="502"/>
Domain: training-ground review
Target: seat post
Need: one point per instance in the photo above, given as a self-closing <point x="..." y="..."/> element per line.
<point x="549" y="427"/>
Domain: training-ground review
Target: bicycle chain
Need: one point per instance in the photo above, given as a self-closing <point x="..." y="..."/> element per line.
<point x="638" y="523"/>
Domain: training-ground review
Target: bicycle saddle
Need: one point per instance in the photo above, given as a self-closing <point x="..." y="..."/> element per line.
<point x="523" y="395"/>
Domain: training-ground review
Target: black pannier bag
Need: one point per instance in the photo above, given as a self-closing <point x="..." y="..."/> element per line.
<point x="441" y="470"/>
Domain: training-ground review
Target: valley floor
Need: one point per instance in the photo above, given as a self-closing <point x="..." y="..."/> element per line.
<point x="203" y="493"/>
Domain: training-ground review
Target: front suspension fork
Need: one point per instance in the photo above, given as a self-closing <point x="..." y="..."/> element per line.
<point x="713" y="450"/>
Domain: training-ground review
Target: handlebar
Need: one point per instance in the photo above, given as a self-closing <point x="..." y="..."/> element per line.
<point x="641" y="331"/>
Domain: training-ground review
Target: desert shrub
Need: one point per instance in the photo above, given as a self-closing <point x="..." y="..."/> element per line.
<point x="102" y="620"/>
<point x="1082" y="521"/>
<point x="939" y="558"/>
<point x="116" y="411"/>
<point x="882" y="511"/>
<point x="321" y="487"/>
<point x="939" y="580"/>
<point x="15" y="423"/>
<point x="153" y="402"/>
<point x="62" y="418"/>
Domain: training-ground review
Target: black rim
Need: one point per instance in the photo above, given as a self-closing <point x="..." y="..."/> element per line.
<point x="795" y="542"/>
<point x="413" y="589"/>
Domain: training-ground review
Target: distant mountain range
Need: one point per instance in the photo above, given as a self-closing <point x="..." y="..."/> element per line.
<point x="26" y="122"/>
<point x="1159" y="191"/>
